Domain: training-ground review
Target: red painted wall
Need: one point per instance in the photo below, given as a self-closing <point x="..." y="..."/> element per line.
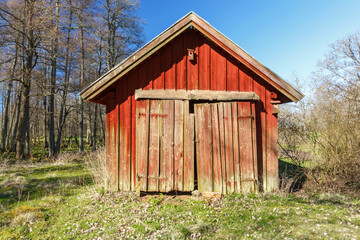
<point x="169" y="68"/>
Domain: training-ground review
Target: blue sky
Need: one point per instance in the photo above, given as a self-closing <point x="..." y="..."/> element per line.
<point x="287" y="36"/>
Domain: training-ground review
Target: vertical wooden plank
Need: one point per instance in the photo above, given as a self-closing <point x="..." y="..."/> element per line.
<point x="121" y="150"/>
<point x="271" y="147"/>
<point x="254" y="146"/>
<point x="178" y="144"/>
<point x="133" y="84"/>
<point x="229" y="148"/>
<point x="232" y="76"/>
<point x="120" y="100"/>
<point x="218" y="70"/>
<point x="153" y="168"/>
<point x="169" y="66"/>
<point x="156" y="71"/>
<point x="204" y="66"/>
<point x="144" y="73"/>
<point x="142" y="138"/>
<point x="111" y="141"/>
<point x="244" y="81"/>
<point x="246" y="150"/>
<point x="166" y="166"/>
<point x="191" y="40"/>
<point x="203" y="147"/>
<point x="261" y="134"/>
<point x="189" y="157"/>
<point x="222" y="147"/>
<point x="236" y="150"/>
<point x="180" y="58"/>
<point x="216" y="151"/>
<point x="124" y="101"/>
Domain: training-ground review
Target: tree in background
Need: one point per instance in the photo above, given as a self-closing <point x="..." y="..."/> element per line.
<point x="327" y="125"/>
<point x="51" y="50"/>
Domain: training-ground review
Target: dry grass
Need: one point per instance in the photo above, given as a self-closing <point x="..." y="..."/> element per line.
<point x="69" y="157"/>
<point x="95" y="163"/>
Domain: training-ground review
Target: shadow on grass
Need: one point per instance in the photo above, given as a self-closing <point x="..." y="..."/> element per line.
<point x="291" y="172"/>
<point x="43" y="181"/>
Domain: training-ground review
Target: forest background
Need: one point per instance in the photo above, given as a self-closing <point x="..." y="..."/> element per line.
<point x="49" y="51"/>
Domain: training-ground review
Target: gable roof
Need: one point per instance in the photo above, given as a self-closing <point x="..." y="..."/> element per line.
<point x="190" y="20"/>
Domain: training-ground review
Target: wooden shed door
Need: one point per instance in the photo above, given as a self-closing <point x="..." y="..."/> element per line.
<point x="226" y="147"/>
<point x="164" y="146"/>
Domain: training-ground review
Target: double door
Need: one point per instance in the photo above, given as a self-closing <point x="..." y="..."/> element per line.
<point x="183" y="146"/>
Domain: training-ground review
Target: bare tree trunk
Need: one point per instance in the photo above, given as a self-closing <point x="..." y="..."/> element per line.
<point x="8" y="137"/>
<point x="82" y="80"/>
<point x="24" y="118"/>
<point x="63" y="110"/>
<point x="52" y="109"/>
<point x="28" y="141"/>
<point x="4" y="131"/>
<point x="17" y="117"/>
<point x="52" y="147"/>
<point x="88" y="127"/>
<point x="45" y="124"/>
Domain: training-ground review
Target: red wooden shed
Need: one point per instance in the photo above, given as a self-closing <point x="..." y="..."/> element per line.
<point x="191" y="110"/>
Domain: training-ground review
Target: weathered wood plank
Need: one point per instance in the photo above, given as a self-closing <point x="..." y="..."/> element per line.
<point x="204" y="66"/>
<point x="260" y="134"/>
<point x="142" y="125"/>
<point x="229" y="148"/>
<point x="254" y="146"/>
<point x="203" y="147"/>
<point x="142" y="74"/>
<point x="222" y="147"/>
<point x="271" y="147"/>
<point x="156" y="71"/>
<point x="162" y="119"/>
<point x="120" y="90"/>
<point x="244" y="81"/>
<point x="154" y="140"/>
<point x="191" y="40"/>
<point x="195" y="95"/>
<point x="111" y="139"/>
<point x="216" y="153"/>
<point x="134" y="82"/>
<point x="218" y="70"/>
<point x="232" y="82"/>
<point x="180" y="59"/>
<point x="246" y="152"/>
<point x="169" y="67"/>
<point x="178" y="145"/>
<point x="189" y="157"/>
<point x="125" y="134"/>
<point x="237" y="177"/>
<point x="167" y="157"/>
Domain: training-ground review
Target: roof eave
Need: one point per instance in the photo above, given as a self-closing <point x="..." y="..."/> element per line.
<point x="191" y="19"/>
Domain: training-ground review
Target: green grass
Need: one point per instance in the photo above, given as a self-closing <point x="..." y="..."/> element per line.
<point x="39" y="153"/>
<point x="60" y="202"/>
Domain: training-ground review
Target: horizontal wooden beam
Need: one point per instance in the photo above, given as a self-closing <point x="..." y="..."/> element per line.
<point x="196" y="95"/>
